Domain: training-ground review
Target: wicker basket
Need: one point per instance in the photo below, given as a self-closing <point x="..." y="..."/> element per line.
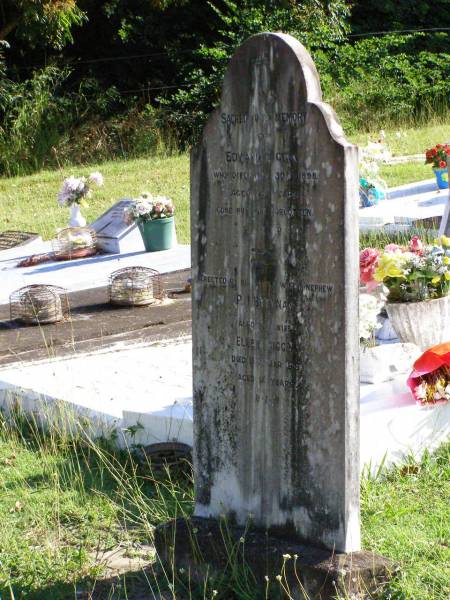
<point x="75" y="242"/>
<point x="39" y="304"/>
<point x="135" y="286"/>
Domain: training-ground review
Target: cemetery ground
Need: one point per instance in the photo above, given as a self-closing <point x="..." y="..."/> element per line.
<point x="78" y="518"/>
<point x="28" y="203"/>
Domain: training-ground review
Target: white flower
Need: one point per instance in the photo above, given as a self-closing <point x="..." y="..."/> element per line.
<point x="147" y="207"/>
<point x="421" y="391"/>
<point x="73" y="184"/>
<point x="97" y="178"/>
<point x="73" y="190"/>
<point x="369" y="307"/>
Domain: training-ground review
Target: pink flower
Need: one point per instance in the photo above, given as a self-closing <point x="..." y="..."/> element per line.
<point x="415" y="245"/>
<point x="368" y="259"/>
<point x="393" y="248"/>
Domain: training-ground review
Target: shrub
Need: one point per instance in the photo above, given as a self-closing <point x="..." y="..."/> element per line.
<point x="33" y="120"/>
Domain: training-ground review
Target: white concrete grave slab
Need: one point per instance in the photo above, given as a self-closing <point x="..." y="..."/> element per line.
<point x="88" y="273"/>
<point x="151" y="386"/>
<point x="406" y="204"/>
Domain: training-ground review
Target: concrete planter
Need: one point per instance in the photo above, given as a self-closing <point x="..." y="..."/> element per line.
<point x="422" y="323"/>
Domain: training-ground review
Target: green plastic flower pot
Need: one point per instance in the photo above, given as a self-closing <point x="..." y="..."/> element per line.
<point x="157" y="234"/>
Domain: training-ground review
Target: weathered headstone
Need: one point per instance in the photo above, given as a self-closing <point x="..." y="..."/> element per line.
<point x="274" y="208"/>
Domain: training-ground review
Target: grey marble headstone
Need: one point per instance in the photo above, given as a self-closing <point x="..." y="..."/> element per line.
<point x="274" y="188"/>
<point x="114" y="235"/>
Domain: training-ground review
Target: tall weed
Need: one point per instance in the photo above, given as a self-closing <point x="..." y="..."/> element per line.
<point x="33" y="120"/>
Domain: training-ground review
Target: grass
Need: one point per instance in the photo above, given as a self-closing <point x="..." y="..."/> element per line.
<point x="406" y="516"/>
<point x="65" y="501"/>
<point x="380" y="239"/>
<point x="29" y="203"/>
<point x="405" y="141"/>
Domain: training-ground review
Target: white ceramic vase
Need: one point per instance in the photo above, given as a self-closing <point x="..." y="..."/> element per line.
<point x="422" y="323"/>
<point x="76" y="218"/>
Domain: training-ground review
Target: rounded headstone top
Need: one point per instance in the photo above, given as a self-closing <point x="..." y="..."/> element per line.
<point x="283" y="54"/>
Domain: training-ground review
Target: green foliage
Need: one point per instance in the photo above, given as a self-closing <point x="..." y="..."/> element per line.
<point x="146" y="71"/>
<point x="41" y="22"/>
<point x="31" y="119"/>
<point x="201" y="73"/>
<point x="382" y="15"/>
<point x="383" y="80"/>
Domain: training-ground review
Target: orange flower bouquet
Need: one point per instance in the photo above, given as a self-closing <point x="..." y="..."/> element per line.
<point x="429" y="381"/>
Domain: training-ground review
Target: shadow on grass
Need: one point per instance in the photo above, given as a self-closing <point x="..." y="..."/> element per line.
<point x="108" y="499"/>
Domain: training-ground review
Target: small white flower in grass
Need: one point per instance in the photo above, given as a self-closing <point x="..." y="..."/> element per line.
<point x="266" y="578"/>
<point x="97" y="178"/>
<point x="286" y="556"/>
<point x="278" y="577"/>
<point x="241" y="540"/>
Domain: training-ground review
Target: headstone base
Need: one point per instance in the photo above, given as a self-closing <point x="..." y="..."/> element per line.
<point x="204" y="547"/>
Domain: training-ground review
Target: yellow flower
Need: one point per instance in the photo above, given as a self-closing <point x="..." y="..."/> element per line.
<point x="436" y="279"/>
<point x="447" y="275"/>
<point x="390" y="264"/>
<point x="446" y="260"/>
<point x="445" y="241"/>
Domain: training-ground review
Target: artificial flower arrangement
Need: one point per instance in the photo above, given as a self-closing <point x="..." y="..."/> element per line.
<point x="429" y="381"/>
<point x="148" y="208"/>
<point x="437" y="156"/>
<point x="75" y="190"/>
<point x="410" y="273"/>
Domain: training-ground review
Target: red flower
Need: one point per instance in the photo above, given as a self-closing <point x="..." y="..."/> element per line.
<point x="433" y="359"/>
<point x="434" y="152"/>
<point x="438" y="145"/>
<point x="442" y="164"/>
<point x="415" y="245"/>
<point x="447" y="150"/>
<point x="368" y="259"/>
